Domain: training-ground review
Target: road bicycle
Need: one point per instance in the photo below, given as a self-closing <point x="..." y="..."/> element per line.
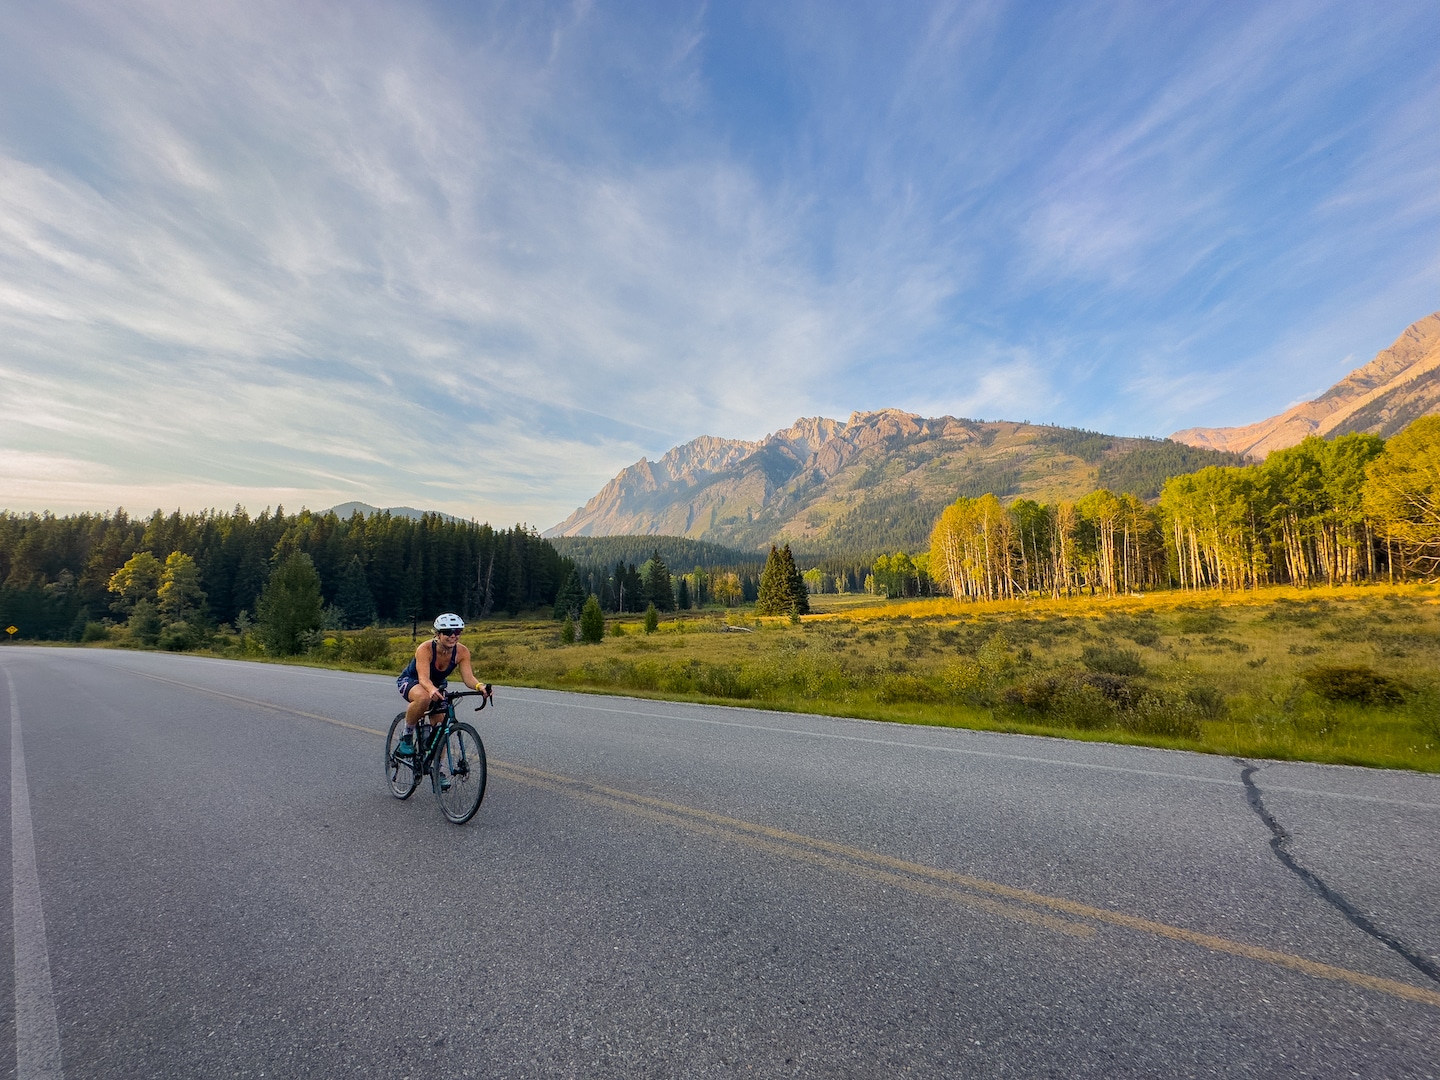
<point x="447" y="751"/>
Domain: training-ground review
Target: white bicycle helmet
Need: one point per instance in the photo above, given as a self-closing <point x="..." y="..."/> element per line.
<point x="449" y="621"/>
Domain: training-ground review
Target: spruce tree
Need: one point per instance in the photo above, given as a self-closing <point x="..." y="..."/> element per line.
<point x="592" y="621"/>
<point x="773" y="598"/>
<point x="796" y="594"/>
<point x="290" y="606"/>
<point x="571" y="597"/>
<point x="354" y="598"/>
<point x="658" y="589"/>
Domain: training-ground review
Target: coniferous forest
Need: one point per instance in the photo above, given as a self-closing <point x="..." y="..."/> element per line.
<point x="60" y="574"/>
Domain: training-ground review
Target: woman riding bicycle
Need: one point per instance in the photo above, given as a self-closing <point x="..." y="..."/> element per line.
<point x="423" y="681"/>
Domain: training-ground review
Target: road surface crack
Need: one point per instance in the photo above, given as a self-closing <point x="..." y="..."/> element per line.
<point x="1280" y="844"/>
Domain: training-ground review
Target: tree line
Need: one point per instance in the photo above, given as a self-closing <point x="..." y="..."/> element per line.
<point x="56" y="573"/>
<point x="1350" y="509"/>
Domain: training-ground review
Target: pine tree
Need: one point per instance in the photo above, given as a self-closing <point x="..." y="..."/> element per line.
<point x="774" y="585"/>
<point x="592" y="621"/>
<point x="290" y="606"/>
<point x="796" y="594"/>
<point x="354" y="599"/>
<point x="682" y="595"/>
<point x="658" y="589"/>
<point x="571" y="597"/>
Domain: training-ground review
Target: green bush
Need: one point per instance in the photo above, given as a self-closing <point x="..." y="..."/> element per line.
<point x="567" y="631"/>
<point x="899" y="688"/>
<point x="144" y="624"/>
<point x="652" y="619"/>
<point x="592" y="621"/>
<point x="1162" y="714"/>
<point x="1357" y="682"/>
<point x="1202" y="622"/>
<point x="95" y="631"/>
<point x="180" y="637"/>
<point x="1109" y="660"/>
<point x="1208" y="701"/>
<point x="369" y="646"/>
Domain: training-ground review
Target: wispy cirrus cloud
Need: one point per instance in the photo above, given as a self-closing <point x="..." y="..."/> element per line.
<point x="479" y="259"/>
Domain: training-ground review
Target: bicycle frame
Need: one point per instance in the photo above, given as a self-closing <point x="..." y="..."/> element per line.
<point x="440" y="733"/>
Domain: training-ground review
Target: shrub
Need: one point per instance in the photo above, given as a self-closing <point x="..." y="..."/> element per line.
<point x="95" y="631"/>
<point x="567" y="631"/>
<point x="369" y="646"/>
<point x="962" y="676"/>
<point x="1081" y="705"/>
<point x="898" y="688"/>
<point x="1208" y="701"/>
<point x="1202" y="622"/>
<point x="181" y="636"/>
<point x="1108" y="660"/>
<point x="144" y="623"/>
<point x="1161" y="714"/>
<point x="592" y="621"/>
<point x="1358" y="682"/>
<point x="652" y="618"/>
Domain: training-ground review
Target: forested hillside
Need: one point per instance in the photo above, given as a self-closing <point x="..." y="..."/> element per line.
<point x="872" y="483"/>
<point x="56" y="572"/>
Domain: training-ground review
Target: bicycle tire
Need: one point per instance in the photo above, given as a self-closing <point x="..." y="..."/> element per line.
<point x="400" y="773"/>
<point x="462" y="760"/>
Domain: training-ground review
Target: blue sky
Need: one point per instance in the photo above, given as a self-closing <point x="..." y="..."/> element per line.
<point x="480" y="257"/>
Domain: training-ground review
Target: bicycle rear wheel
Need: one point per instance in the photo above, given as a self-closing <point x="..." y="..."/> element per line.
<point x="400" y="772"/>
<point x="461" y="761"/>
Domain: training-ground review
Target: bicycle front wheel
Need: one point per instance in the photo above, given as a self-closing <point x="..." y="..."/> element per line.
<point x="459" y="775"/>
<point x="400" y="772"/>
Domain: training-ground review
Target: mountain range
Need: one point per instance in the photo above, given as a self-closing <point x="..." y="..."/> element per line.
<point x="879" y="479"/>
<point x="1400" y="384"/>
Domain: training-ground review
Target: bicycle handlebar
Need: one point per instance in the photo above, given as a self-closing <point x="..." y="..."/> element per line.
<point x="486" y="694"/>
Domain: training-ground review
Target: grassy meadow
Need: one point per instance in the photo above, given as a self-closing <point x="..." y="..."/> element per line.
<point x="1347" y="675"/>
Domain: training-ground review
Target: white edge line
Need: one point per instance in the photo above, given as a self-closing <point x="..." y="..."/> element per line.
<point x="1028" y="758"/>
<point x="37" y="1032"/>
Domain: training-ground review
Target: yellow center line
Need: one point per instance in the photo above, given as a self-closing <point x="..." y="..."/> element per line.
<point x="900" y="873"/>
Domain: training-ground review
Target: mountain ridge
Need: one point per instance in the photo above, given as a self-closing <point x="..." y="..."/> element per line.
<point x="1400" y="384"/>
<point x="876" y="479"/>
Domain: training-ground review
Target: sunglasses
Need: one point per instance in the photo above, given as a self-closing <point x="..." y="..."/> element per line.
<point x="449" y="633"/>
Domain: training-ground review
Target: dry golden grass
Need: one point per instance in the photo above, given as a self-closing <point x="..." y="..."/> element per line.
<point x="1221" y="673"/>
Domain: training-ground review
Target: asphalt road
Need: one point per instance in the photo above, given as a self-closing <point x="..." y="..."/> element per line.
<point x="210" y="878"/>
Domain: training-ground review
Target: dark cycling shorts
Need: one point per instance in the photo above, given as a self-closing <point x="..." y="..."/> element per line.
<point x="406" y="685"/>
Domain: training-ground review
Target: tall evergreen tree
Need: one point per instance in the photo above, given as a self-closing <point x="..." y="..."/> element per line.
<point x="658" y="588"/>
<point x="571" y="597"/>
<point x="773" y="598"/>
<point x="795" y="591"/>
<point x="354" y="598"/>
<point x="291" y="605"/>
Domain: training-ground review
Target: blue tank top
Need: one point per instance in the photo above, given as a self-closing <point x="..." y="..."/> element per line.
<point x="437" y="677"/>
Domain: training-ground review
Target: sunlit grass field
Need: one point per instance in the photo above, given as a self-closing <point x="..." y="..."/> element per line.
<point x="1345" y="675"/>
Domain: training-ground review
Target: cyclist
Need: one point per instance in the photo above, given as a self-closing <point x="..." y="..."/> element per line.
<point x="423" y="680"/>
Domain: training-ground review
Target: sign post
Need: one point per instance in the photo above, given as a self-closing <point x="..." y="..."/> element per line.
<point x="12" y="630"/>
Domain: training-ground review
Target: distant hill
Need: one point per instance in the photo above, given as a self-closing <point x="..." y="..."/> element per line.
<point x="875" y="481"/>
<point x="677" y="552"/>
<point x="1399" y="385"/>
<point x="345" y="510"/>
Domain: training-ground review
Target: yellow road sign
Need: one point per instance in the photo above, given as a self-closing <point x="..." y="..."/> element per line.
<point x="12" y="630"/>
